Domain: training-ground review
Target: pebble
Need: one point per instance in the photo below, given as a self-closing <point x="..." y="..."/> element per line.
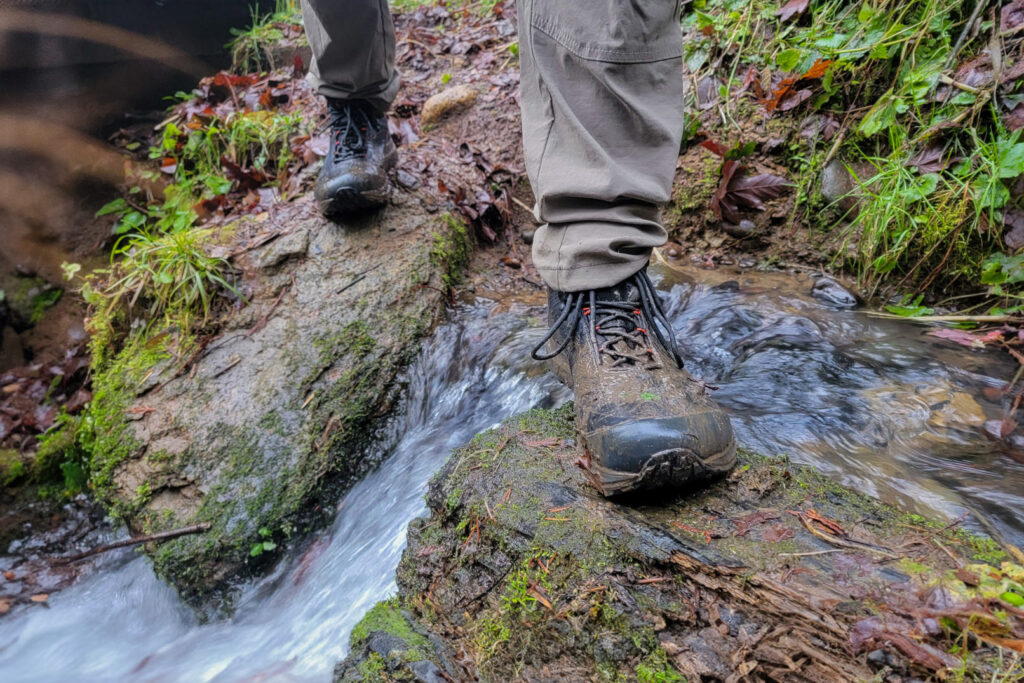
<point x="407" y="180"/>
<point x="828" y="290"/>
<point x="746" y="228"/>
<point x="527" y="236"/>
<point x="450" y="101"/>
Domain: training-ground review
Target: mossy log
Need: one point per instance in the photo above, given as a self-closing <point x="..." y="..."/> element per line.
<point x="523" y="572"/>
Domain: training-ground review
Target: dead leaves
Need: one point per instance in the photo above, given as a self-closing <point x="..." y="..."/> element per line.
<point x="32" y="396"/>
<point x="786" y="89"/>
<point x="792" y="8"/>
<point x="737" y="188"/>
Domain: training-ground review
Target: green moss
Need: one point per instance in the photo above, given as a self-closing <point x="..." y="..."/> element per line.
<point x="656" y="669"/>
<point x="373" y="668"/>
<point x="11" y="467"/>
<point x="387" y="617"/>
<point x="450" y="251"/>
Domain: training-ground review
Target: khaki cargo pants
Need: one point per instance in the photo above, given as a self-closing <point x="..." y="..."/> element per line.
<point x="601" y="96"/>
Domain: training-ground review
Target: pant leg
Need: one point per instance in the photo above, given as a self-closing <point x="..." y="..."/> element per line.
<point x="602" y="105"/>
<point x="353" y="43"/>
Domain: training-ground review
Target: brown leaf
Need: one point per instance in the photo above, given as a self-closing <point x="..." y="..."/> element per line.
<point x="744" y="523"/>
<point x="1014" y="235"/>
<point x="1011" y="16"/>
<point x="714" y="146"/>
<point x="542" y="443"/>
<point x="5" y="606"/>
<point x="816" y="71"/>
<point x="930" y="159"/>
<point x="40" y="597"/>
<point x="792" y="8"/>
<point x="724" y="208"/>
<point x="794" y="99"/>
<point x="968" y="577"/>
<point x="777" y="532"/>
<point x="755" y="190"/>
<point x="1014" y="120"/>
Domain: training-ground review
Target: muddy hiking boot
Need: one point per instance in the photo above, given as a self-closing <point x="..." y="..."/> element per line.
<point x="354" y="174"/>
<point x="648" y="425"/>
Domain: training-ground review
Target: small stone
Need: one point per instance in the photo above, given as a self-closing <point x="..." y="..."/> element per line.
<point x="747" y="263"/>
<point x="745" y="229"/>
<point x="828" y="290"/>
<point x="672" y="252"/>
<point x="527" y="236"/>
<point x="407" y="180"/>
<point x="450" y="101"/>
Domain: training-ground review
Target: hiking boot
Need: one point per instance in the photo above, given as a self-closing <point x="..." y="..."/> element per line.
<point x="647" y="424"/>
<point x="354" y="174"/>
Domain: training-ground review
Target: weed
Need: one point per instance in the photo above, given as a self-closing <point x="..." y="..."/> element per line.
<point x="249" y="46"/>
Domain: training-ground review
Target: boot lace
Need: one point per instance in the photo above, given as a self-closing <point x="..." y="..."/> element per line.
<point x="621" y="331"/>
<point x="350" y="124"/>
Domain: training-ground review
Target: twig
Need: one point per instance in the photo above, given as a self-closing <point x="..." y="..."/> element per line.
<point x="948" y="318"/>
<point x="979" y="5"/>
<point x="162" y="536"/>
<point x="816" y="552"/>
<point x="521" y="203"/>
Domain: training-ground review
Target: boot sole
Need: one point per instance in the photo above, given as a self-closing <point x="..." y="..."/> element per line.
<point x="675" y="468"/>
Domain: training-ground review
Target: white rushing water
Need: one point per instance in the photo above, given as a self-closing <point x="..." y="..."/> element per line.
<point x="123" y="624"/>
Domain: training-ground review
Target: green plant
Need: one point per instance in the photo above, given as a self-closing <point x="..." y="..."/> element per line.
<point x="265" y="545"/>
<point x="249" y="46"/>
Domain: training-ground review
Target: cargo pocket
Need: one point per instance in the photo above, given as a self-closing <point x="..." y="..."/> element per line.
<point x="620" y="31"/>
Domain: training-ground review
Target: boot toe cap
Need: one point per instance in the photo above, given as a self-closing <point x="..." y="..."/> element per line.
<point x="705" y="440"/>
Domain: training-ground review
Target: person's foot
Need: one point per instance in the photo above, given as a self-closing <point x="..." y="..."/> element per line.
<point x="647" y="424"/>
<point x="354" y="174"/>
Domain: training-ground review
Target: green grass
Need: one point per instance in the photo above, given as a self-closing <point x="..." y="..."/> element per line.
<point x="915" y="231"/>
<point x="249" y="45"/>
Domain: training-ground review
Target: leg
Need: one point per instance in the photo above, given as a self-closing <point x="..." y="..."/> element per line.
<point x="353" y="44"/>
<point x="353" y="66"/>
<point x="602" y="121"/>
<point x="602" y="108"/>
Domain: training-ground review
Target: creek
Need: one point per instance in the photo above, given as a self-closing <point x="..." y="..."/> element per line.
<point x="877" y="404"/>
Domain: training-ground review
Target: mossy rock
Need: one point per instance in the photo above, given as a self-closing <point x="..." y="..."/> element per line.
<point x="259" y="431"/>
<point x="773" y="573"/>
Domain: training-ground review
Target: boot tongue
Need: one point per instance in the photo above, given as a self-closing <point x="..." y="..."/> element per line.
<point x="623" y="293"/>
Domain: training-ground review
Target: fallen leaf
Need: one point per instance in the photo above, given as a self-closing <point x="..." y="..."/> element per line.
<point x="965" y="338"/>
<point x="40" y="597"/>
<point x="1011" y="16"/>
<point x="1014" y="119"/>
<point x="791" y="9"/>
<point x="930" y="159"/>
<point x="785" y="86"/>
<point x="5" y="606"/>
<point x="10" y="576"/>
<point x="744" y="523"/>
<point x="777" y="532"/>
<point x="1014" y="235"/>
<point x="794" y="99"/>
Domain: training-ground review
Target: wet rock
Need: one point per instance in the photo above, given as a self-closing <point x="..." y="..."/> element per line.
<point x="828" y="290"/>
<point x="527" y="235"/>
<point x="530" y="575"/>
<point x="744" y="229"/>
<point x="407" y="180"/>
<point x="840" y="183"/>
<point x="451" y="101"/>
<point x="291" y="245"/>
<point x="263" y="426"/>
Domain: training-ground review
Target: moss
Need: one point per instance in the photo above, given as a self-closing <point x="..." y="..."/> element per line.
<point x="655" y="669"/>
<point x="373" y="668"/>
<point x="11" y="467"/>
<point x="450" y="251"/>
<point x="387" y="617"/>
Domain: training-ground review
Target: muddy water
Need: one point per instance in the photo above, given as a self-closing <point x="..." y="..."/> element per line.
<point x="877" y="404"/>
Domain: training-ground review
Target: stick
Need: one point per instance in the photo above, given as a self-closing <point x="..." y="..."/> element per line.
<point x="948" y="318"/>
<point x="162" y="536"/>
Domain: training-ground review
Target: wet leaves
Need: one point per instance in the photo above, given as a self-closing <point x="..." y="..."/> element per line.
<point x="786" y="88"/>
<point x="32" y="396"/>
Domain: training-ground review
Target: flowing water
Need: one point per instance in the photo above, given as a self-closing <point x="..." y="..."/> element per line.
<point x="877" y="404"/>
